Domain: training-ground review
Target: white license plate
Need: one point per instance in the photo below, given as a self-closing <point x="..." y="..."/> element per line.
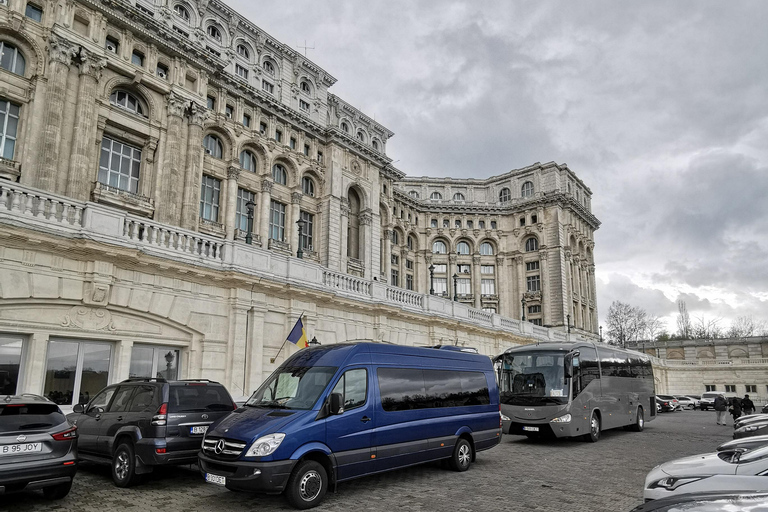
<point x="531" y="429"/>
<point x="198" y="430"/>
<point x="20" y="449"/>
<point x="215" y="479"/>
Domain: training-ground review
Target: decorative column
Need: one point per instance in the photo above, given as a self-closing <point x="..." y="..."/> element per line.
<point x="545" y="297"/>
<point x="344" y="234"/>
<point x="60" y="56"/>
<point x="366" y="226"/>
<point x="293" y="217"/>
<point x="78" y="186"/>
<point x="449" y="274"/>
<point x="521" y="285"/>
<point x="504" y="297"/>
<point x="190" y="208"/>
<point x="266" y="199"/>
<point x="477" y="290"/>
<point x="167" y="208"/>
<point x="388" y="255"/>
<point x="230" y="212"/>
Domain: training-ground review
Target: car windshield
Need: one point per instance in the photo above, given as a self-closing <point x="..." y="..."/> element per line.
<point x="533" y="378"/>
<point x="292" y="387"/>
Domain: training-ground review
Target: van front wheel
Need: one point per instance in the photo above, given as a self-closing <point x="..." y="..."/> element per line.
<point x="307" y="485"/>
<point x="462" y="456"/>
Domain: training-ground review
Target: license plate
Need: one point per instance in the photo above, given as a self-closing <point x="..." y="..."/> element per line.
<point x="531" y="429"/>
<point x="215" y="479"/>
<point x="20" y="449"/>
<point x="198" y="430"/>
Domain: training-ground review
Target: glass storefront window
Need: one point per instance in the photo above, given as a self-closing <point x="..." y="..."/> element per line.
<point x="10" y="363"/>
<point x="154" y="362"/>
<point x="76" y="369"/>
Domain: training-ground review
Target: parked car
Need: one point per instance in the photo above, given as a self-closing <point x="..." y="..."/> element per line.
<point x="764" y="410"/>
<point x="755" y="428"/>
<point x="710" y="501"/>
<point x="666" y="403"/>
<point x="142" y="423"/>
<point x="685" y="402"/>
<point x="677" y="476"/>
<point x="38" y="447"/>
<point x="708" y="399"/>
<point x="744" y="444"/>
<point x="752" y="418"/>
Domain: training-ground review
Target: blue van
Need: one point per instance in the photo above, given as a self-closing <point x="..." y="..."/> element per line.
<point x="337" y="412"/>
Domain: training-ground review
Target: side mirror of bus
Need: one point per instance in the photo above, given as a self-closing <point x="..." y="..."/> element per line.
<point x="567" y="361"/>
<point x="336" y="405"/>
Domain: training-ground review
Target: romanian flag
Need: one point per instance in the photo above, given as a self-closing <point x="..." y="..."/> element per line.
<point x="298" y="336"/>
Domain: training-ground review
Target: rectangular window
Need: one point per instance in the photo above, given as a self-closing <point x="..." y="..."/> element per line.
<point x="458" y="223"/>
<point x="730" y="388"/>
<point x="481" y="224"/>
<point x="433" y="223"/>
<point x="210" y="102"/>
<point x="531" y="265"/>
<point x="152" y="362"/>
<point x="76" y="371"/>
<point x="263" y="128"/>
<point x="486" y="269"/>
<point x="119" y="165"/>
<point x="408" y="281"/>
<point x="308" y="232"/>
<point x="162" y="72"/>
<point x="306" y="149"/>
<point x="463" y="286"/>
<point x="320" y="156"/>
<point x="10" y="363"/>
<point x="303" y="105"/>
<point x="137" y="59"/>
<point x="276" y="221"/>
<point x="534" y="283"/>
<point x="409" y="264"/>
<point x="441" y="268"/>
<point x="228" y="111"/>
<point x="34" y="12"/>
<point x="395" y="277"/>
<point x="488" y="286"/>
<point x="292" y="142"/>
<point x="403" y="389"/>
<point x="278" y="136"/>
<point x="462" y="268"/>
<point x="267" y="87"/>
<point x="446" y="223"/>
<point x="751" y="388"/>
<point x="9" y="124"/>
<point x="241" y="72"/>
<point x="246" y="120"/>
<point x="534" y="309"/>
<point x="489" y="310"/>
<point x="441" y="285"/>
<point x="710" y="387"/>
<point x="535" y="321"/>
<point x="395" y="259"/>
<point x="181" y="32"/>
<point x="493" y="224"/>
<point x="111" y="45"/>
<point x="209" y="198"/>
<point x="241" y="214"/>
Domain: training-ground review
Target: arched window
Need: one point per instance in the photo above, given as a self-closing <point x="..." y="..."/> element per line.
<point x="279" y="174"/>
<point x="436" y="195"/>
<point x="375" y="145"/>
<point x="242" y="51"/>
<point x="410" y="242"/>
<point x="11" y="58"/>
<point x="531" y="245"/>
<point x="354" y="238"/>
<point x="308" y="186"/>
<point x="181" y="12"/>
<point x="462" y="248"/>
<point x="486" y="249"/>
<point x="305" y="88"/>
<point x="127" y="101"/>
<point x="438" y="247"/>
<point x="527" y="189"/>
<point x="345" y="127"/>
<point x="214" y="32"/>
<point x="248" y="161"/>
<point x="268" y="67"/>
<point x="395" y="238"/>
<point x="213" y="146"/>
<point x="504" y="195"/>
<point x="361" y="136"/>
<point x="458" y="196"/>
<point x="414" y="194"/>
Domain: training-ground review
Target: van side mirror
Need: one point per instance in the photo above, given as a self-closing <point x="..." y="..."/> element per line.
<point x="336" y="404"/>
<point x="78" y="408"/>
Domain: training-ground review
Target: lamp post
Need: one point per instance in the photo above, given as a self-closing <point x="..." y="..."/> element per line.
<point x="455" y="294"/>
<point x="568" y="319"/>
<point x="601" y="334"/>
<point x="169" y="357"/>
<point x="522" y="301"/>
<point x="431" y="279"/>
<point x="300" y="251"/>
<point x="313" y="342"/>
<point x="249" y="208"/>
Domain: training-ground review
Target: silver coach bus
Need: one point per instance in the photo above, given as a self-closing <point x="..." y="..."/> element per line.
<point x="574" y="389"/>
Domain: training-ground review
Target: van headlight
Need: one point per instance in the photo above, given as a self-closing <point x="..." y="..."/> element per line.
<point x="265" y="445"/>
<point x="562" y="419"/>
<point x="671" y="483"/>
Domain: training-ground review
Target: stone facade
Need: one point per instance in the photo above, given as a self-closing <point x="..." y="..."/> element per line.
<point x="146" y="144"/>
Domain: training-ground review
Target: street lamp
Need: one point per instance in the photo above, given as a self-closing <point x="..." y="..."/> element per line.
<point x="313" y="342"/>
<point x="601" y="334"/>
<point x="522" y="301"/>
<point x="568" y="319"/>
<point x="249" y="236"/>
<point x="299" y="252"/>
<point x="455" y="294"/>
<point x="431" y="279"/>
<point x="169" y="357"/>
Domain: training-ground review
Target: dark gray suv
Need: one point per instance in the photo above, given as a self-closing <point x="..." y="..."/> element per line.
<point x="141" y="423"/>
<point x="38" y="448"/>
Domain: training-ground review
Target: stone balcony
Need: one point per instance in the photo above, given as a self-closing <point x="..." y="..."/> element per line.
<point x="30" y="208"/>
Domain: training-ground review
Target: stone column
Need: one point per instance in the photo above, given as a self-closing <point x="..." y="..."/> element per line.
<point x="266" y="199"/>
<point x="545" y="291"/>
<point x="230" y="212"/>
<point x="190" y="208"/>
<point x="504" y="297"/>
<point x="388" y="255"/>
<point x="366" y="227"/>
<point x="343" y="258"/>
<point x="34" y="376"/>
<point x="521" y="284"/>
<point x="167" y="205"/>
<point x="449" y="274"/>
<point x="60" y="56"/>
<point x="80" y="169"/>
<point x="293" y="217"/>
<point x="477" y="290"/>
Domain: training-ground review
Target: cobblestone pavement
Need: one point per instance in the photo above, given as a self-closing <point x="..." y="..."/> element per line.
<point x="517" y="475"/>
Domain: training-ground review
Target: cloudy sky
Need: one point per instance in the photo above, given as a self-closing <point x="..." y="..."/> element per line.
<point x="660" y="107"/>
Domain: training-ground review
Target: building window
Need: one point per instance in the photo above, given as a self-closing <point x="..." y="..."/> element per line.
<point x="306" y="149"/>
<point x="531" y="245"/>
<point x="228" y="111"/>
<point x="488" y="287"/>
<point x="457" y="223"/>
<point x="493" y="224"/>
<point x="246" y="120"/>
<point x="414" y="194"/>
<point x="127" y="101"/>
<point x="243" y="51"/>
<point x="481" y="224"/>
<point x="409" y="264"/>
<point x="361" y="136"/>
<point x="486" y="249"/>
<point x="710" y="387"/>
<point x="111" y="45"/>
<point x="303" y="105"/>
<point x="463" y="286"/>
<point x="395" y="238"/>
<point x="213" y="146"/>
<point x="34" y="12"/>
<point x="210" y="102"/>
<point x="278" y="136"/>
<point x="308" y="186"/>
<point x="268" y="67"/>
<point x="458" y="196"/>
<point x="320" y="156"/>
<point x="504" y="195"/>
<point x="470" y="224"/>
<point x="438" y="247"/>
<point x="531" y="265"/>
<point x="137" y="59"/>
<point x="532" y="310"/>
<point x="152" y="362"/>
<point x="279" y="174"/>
<point x="344" y="127"/>
<point x="181" y="12"/>
<point x="209" y="198"/>
<point x="463" y="268"/>
<point x="730" y="388"/>
<point x="527" y="189"/>
<point x="263" y="128"/>
<point x="435" y="196"/>
<point x="305" y="88"/>
<point x="9" y="125"/>
<point x="433" y="223"/>
<point x="440" y="285"/>
<point x="308" y="231"/>
<point x="267" y="87"/>
<point x="409" y="242"/>
<point x="241" y="211"/>
<point x="276" y="220"/>
<point x="10" y="362"/>
<point x="395" y="277"/>
<point x="408" y="282"/>
<point x="76" y="371"/>
<point x="535" y="321"/>
<point x="441" y="268"/>
<point x="486" y="269"/>
<point x="11" y="59"/>
<point x="248" y="161"/>
<point x="534" y="219"/>
<point x="214" y="32"/>
<point x="534" y="283"/>
<point x="292" y="142"/>
<point x="241" y="71"/>
<point x="446" y="223"/>
<point x="162" y="71"/>
<point x="751" y="388"/>
<point x="462" y="248"/>
<point x="119" y="165"/>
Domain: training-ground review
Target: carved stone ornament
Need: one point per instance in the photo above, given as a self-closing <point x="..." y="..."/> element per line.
<point x="91" y="64"/>
<point x="233" y="172"/>
<point x="543" y="255"/>
<point x="197" y="113"/>
<point x="366" y="218"/>
<point x="356" y="167"/>
<point x="296" y="197"/>
<point x="567" y="255"/>
<point x="266" y="186"/>
<point x="61" y="50"/>
<point x="92" y="319"/>
<point x="176" y="104"/>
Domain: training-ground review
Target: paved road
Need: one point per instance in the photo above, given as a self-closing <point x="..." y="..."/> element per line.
<point x="518" y="475"/>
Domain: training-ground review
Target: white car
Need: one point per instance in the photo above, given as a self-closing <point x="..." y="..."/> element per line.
<point x="685" y="402"/>
<point x="696" y="473"/>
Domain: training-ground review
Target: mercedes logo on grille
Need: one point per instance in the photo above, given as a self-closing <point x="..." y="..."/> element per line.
<point x="21" y="438"/>
<point x="219" y="447"/>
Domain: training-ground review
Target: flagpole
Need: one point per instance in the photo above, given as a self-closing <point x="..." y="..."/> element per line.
<point x="272" y="359"/>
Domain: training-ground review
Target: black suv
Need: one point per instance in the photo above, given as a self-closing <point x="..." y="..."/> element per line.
<point x="38" y="448"/>
<point x="141" y="423"/>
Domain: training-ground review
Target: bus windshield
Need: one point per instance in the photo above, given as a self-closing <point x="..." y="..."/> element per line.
<point x="533" y="378"/>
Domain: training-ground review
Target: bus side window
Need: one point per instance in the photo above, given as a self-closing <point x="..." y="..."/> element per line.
<point x="576" y="379"/>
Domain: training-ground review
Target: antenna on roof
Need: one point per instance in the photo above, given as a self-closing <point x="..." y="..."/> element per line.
<point x="305" y="47"/>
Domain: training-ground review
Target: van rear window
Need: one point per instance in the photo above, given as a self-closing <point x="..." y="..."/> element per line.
<point x="403" y="389"/>
<point x="198" y="399"/>
<point x="23" y="417"/>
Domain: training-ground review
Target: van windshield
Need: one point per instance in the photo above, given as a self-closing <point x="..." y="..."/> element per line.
<point x="292" y="387"/>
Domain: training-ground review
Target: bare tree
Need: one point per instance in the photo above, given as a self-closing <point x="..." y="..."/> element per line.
<point x="684" y="326"/>
<point x="653" y="327"/>
<point x="626" y="324"/>
<point x="706" y="329"/>
<point x="745" y="326"/>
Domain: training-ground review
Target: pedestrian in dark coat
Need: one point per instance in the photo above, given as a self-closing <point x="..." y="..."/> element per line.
<point x="747" y="405"/>
<point x="720" y="407"/>
<point x="735" y="409"/>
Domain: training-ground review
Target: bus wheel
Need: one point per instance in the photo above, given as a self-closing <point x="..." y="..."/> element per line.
<point x="462" y="456"/>
<point x="594" y="428"/>
<point x="640" y="421"/>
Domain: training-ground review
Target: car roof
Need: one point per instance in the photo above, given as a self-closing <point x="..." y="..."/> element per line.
<point x="24" y="398"/>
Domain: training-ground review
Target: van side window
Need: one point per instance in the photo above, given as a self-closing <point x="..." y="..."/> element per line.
<point x="402" y="389"/>
<point x="353" y="386"/>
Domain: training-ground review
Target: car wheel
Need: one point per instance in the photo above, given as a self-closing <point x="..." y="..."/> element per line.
<point x="462" y="456"/>
<point x="691" y="407"/>
<point x="124" y="466"/>
<point x="639" y="421"/>
<point x="594" y="428"/>
<point x="56" y="492"/>
<point x="307" y="486"/>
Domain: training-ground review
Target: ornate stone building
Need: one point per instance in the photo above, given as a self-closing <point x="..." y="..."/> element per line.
<point x="157" y="160"/>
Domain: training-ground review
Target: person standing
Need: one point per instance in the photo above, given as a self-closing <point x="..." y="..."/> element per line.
<point x="720" y="406"/>
<point x="747" y="405"/>
<point x="735" y="409"/>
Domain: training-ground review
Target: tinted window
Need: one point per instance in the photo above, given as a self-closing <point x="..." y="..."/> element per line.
<point x="293" y="387"/>
<point x="29" y="417"/>
<point x="353" y="387"/>
<point x="122" y="399"/>
<point x="614" y="363"/>
<point x="145" y="399"/>
<point x="641" y="368"/>
<point x="192" y="398"/>
<point x="404" y="388"/>
<point x="102" y="399"/>
<point x="589" y="367"/>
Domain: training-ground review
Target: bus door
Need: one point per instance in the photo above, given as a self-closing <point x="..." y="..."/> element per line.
<point x="585" y="384"/>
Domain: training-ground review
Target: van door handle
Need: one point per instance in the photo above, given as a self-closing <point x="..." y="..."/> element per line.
<point x="365" y="419"/>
